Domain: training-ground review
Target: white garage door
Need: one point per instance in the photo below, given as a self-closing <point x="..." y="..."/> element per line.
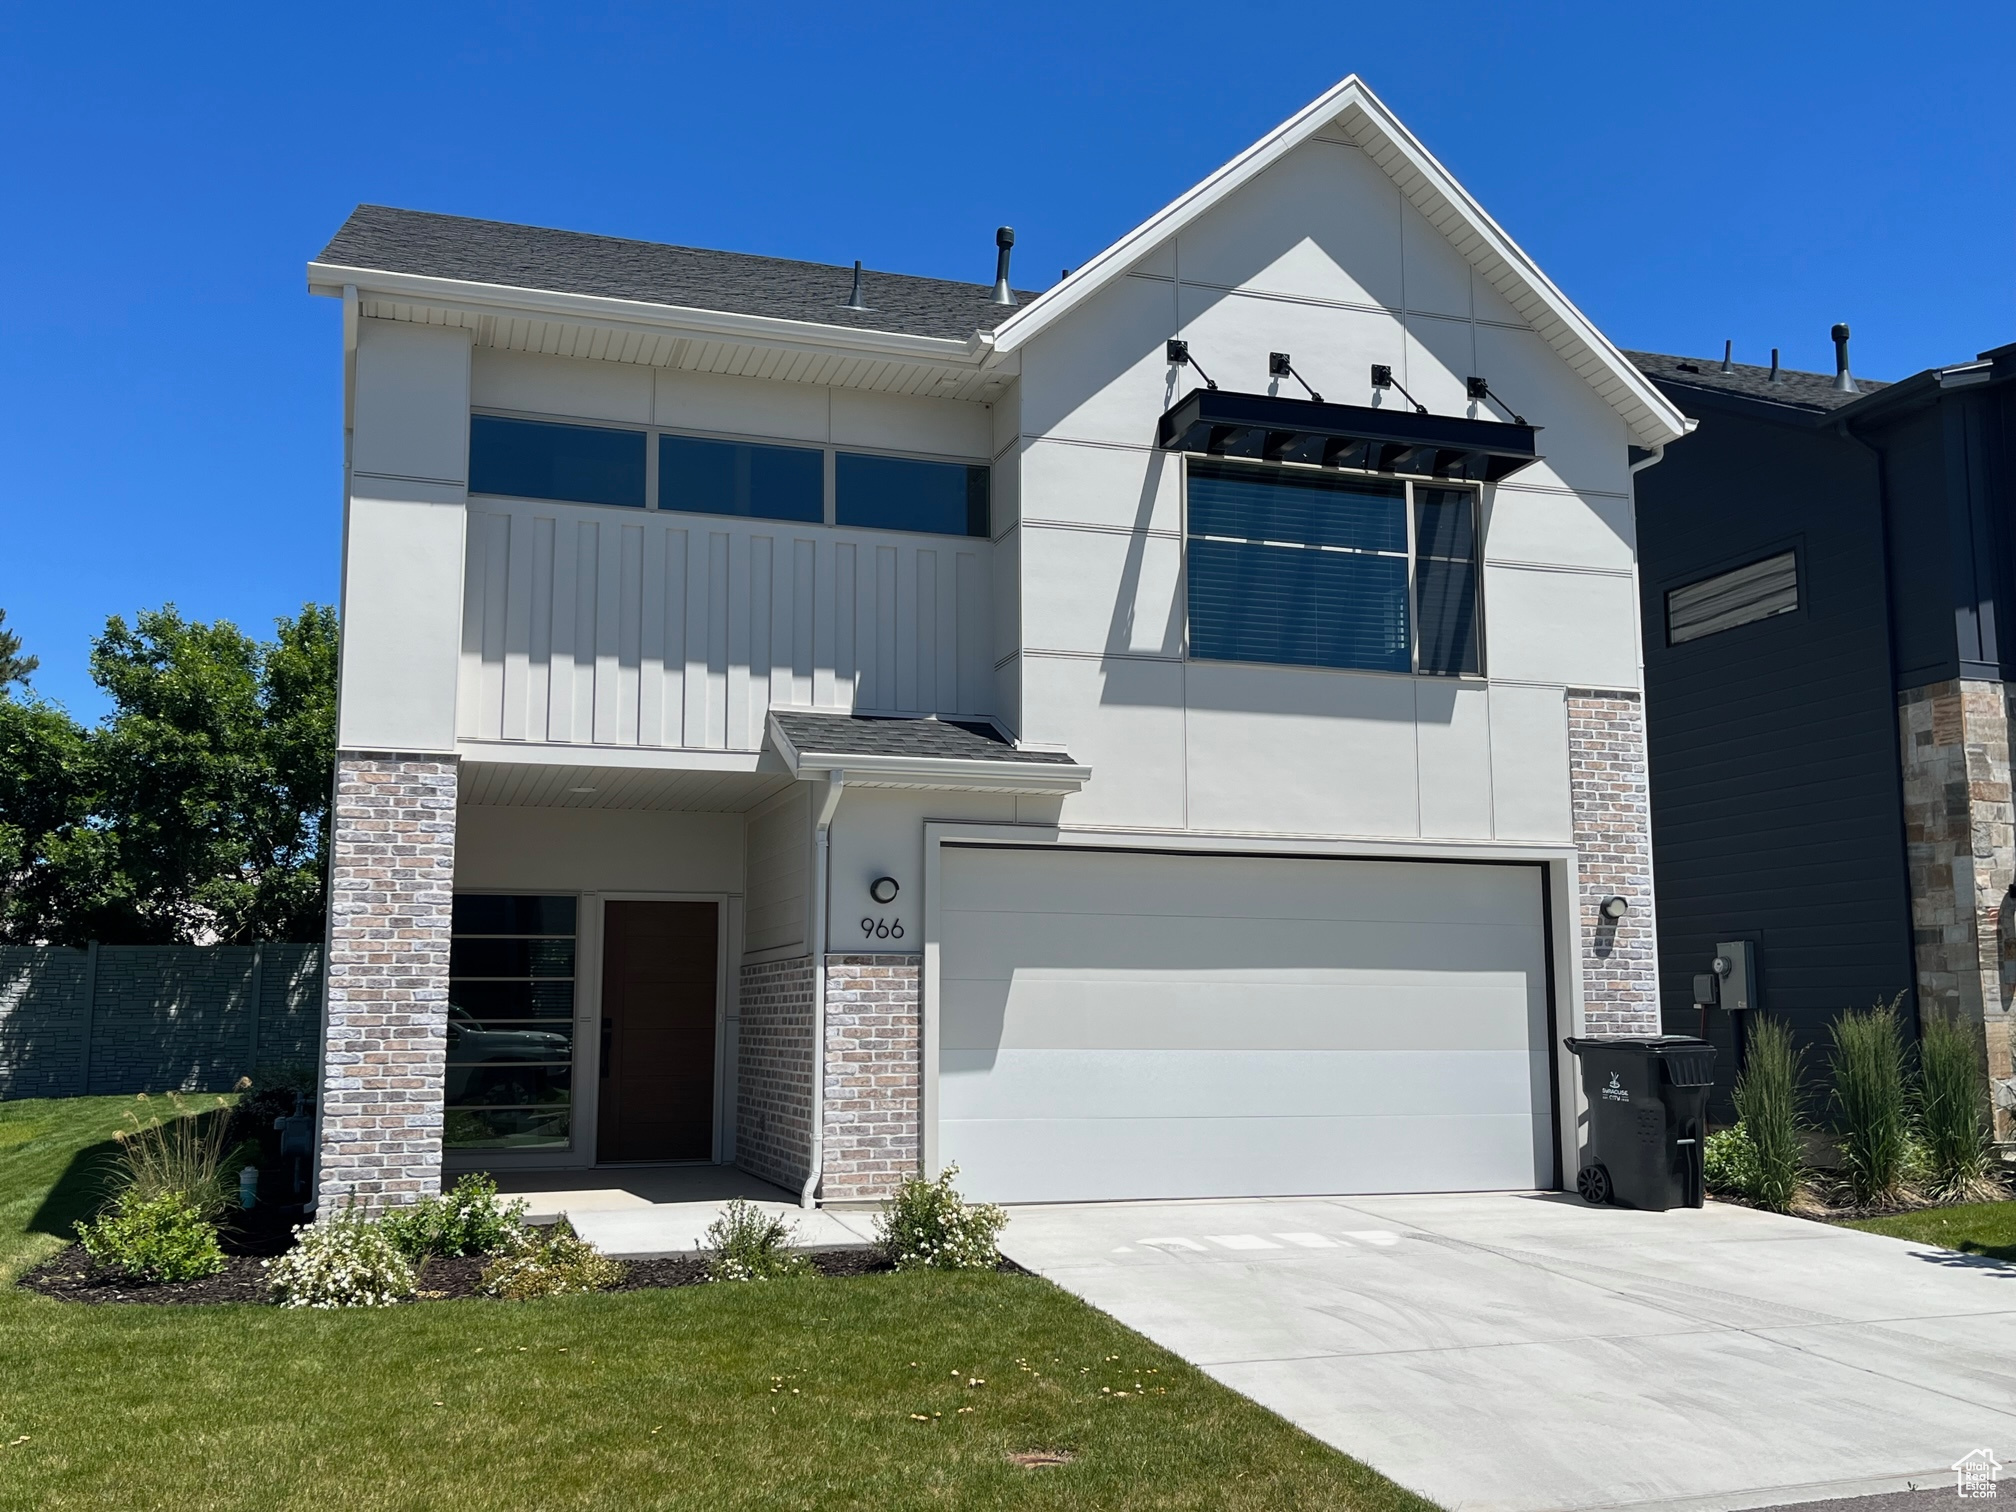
<point x="1117" y="1024"/>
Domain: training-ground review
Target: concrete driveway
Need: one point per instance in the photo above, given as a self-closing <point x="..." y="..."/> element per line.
<point x="1525" y="1351"/>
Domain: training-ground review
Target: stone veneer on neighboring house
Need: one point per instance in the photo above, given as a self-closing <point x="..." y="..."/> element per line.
<point x="773" y="1071"/>
<point x="874" y="1075"/>
<point x="1960" y="844"/>
<point x="1610" y="796"/>
<point x="384" y="1029"/>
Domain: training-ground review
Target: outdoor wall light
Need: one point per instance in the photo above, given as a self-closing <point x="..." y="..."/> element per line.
<point x="1615" y="907"/>
<point x="883" y="889"/>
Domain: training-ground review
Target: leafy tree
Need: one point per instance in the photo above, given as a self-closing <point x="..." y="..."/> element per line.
<point x="197" y="811"/>
<point x="14" y="667"/>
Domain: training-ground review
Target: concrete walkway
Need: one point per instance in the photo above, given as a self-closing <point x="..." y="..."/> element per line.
<point x="642" y="1212"/>
<point x="1527" y="1353"/>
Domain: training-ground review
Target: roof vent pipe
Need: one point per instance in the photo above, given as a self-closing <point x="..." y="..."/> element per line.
<point x="1728" y="352"/>
<point x="1774" y="378"/>
<point x="854" y="300"/>
<point x="1003" y="239"/>
<point x="1844" y="381"/>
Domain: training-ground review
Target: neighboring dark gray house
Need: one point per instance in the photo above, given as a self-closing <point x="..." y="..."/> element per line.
<point x="1827" y="571"/>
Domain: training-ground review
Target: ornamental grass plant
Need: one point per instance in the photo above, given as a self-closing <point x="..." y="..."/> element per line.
<point x="1767" y="1103"/>
<point x="181" y="1153"/>
<point x="1870" y="1104"/>
<point x="1958" y="1150"/>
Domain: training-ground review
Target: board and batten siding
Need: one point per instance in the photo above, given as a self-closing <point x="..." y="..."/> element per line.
<point x="587" y="626"/>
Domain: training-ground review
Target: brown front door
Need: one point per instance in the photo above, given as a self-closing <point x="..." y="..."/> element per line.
<point x="659" y="973"/>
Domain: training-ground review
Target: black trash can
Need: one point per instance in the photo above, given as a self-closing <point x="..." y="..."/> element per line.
<point x="1648" y="1116"/>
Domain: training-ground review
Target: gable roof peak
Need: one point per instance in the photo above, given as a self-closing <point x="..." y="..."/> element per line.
<point x="1362" y="118"/>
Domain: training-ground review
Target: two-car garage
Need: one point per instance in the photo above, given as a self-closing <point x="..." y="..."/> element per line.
<point x="1127" y="1024"/>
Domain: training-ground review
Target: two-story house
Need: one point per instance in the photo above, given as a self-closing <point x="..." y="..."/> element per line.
<point x="840" y="723"/>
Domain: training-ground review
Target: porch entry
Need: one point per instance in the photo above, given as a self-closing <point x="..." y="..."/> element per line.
<point x="660" y="977"/>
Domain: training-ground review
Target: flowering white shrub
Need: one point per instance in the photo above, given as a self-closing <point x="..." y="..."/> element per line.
<point x="752" y="1245"/>
<point x="929" y="1226"/>
<point x="347" y="1261"/>
<point x="467" y="1220"/>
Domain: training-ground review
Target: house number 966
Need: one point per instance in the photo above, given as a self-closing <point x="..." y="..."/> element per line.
<point x="882" y="929"/>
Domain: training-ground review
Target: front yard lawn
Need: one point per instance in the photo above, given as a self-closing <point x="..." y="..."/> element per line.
<point x="891" y="1391"/>
<point x="1973" y="1228"/>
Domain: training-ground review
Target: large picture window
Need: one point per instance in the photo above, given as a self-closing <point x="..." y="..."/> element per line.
<point x="900" y="493"/>
<point x="511" y="967"/>
<point x="1314" y="569"/>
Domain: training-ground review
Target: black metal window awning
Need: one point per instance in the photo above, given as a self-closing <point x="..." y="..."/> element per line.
<point x="1269" y="429"/>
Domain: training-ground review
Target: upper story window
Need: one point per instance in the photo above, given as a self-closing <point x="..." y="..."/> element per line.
<point x="734" y="478"/>
<point x="596" y="464"/>
<point x="536" y="459"/>
<point x="1321" y="569"/>
<point x="899" y="493"/>
<point x="1740" y="596"/>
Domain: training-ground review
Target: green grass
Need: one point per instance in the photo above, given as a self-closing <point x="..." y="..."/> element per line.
<point x="777" y="1394"/>
<point x="1973" y="1228"/>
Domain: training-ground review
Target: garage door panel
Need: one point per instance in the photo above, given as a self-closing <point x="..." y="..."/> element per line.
<point x="987" y="945"/>
<point x="1067" y="1160"/>
<point x="1088" y="1013"/>
<point x="995" y="881"/>
<point x="1114" y="1025"/>
<point x="1099" y="1086"/>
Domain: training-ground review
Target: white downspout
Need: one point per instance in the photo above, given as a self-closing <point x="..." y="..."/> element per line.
<point x="828" y="802"/>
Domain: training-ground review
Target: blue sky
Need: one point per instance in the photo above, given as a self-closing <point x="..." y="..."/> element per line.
<point x="169" y="392"/>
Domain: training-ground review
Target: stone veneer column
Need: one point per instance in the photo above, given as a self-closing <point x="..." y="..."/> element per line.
<point x="1611" y="799"/>
<point x="1960" y="845"/>
<point x="874" y="1075"/>
<point x="385" y="1020"/>
<point x="773" y="1072"/>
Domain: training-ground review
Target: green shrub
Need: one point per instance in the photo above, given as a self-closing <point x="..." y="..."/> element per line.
<point x="159" y="1237"/>
<point x="466" y="1220"/>
<point x="347" y="1260"/>
<point x="182" y="1153"/>
<point x="1952" y="1110"/>
<point x="1767" y="1105"/>
<point x="1869" y="1103"/>
<point x="552" y="1264"/>
<point x="749" y="1244"/>
<point x="927" y="1225"/>
<point x="1729" y="1163"/>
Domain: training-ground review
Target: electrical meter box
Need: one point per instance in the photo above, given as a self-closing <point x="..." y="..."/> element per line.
<point x="1736" y="965"/>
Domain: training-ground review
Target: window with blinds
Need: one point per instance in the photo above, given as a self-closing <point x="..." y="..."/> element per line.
<point x="1314" y="569"/>
<point x="1738" y="597"/>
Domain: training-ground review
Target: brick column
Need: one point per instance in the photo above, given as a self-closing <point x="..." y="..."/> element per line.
<point x="773" y="1072"/>
<point x="1960" y="846"/>
<point x="385" y="1019"/>
<point x="874" y="1075"/>
<point x="1610" y="796"/>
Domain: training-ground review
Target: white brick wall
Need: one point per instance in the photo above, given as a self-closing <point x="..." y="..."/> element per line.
<point x="1611" y="796"/>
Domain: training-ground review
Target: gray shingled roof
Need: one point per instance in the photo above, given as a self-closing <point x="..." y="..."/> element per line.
<point x="1807" y="391"/>
<point x="939" y="739"/>
<point x="573" y="262"/>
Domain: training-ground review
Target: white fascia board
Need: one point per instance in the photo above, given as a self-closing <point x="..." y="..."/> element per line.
<point x="1653" y="418"/>
<point x="973" y="352"/>
<point x="943" y="773"/>
<point x="624" y="758"/>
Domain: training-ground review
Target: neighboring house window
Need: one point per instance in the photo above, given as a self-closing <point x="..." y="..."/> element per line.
<point x="1332" y="570"/>
<point x="899" y="493"/>
<point x="510" y="1081"/>
<point x="1728" y="599"/>
<point x="578" y="464"/>
<point x="733" y="478"/>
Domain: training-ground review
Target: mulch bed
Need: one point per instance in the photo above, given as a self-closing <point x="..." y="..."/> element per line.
<point x="69" y="1277"/>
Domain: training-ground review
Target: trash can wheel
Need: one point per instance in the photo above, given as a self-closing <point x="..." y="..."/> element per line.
<point x="1592" y="1182"/>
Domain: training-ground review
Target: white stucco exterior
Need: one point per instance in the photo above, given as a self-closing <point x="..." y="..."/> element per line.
<point x="605" y="676"/>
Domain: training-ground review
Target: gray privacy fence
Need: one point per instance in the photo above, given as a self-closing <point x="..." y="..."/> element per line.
<point x="111" y="1019"/>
